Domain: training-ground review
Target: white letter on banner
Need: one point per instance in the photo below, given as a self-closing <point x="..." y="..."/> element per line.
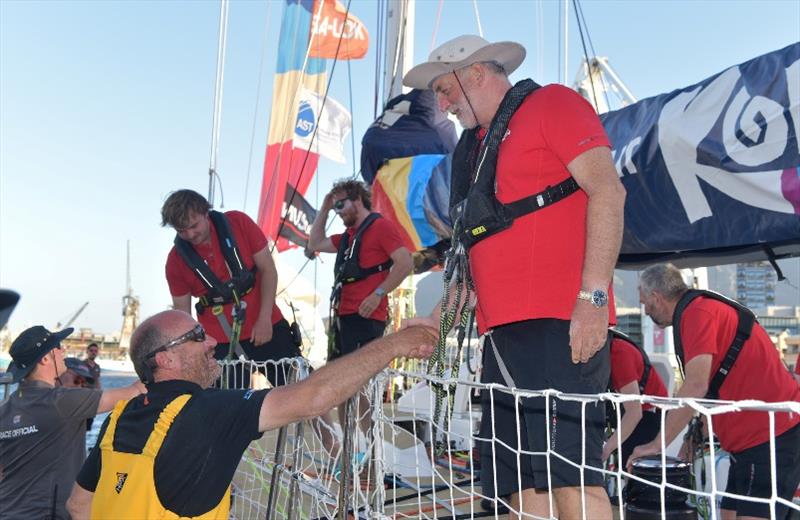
<point x="683" y="123"/>
<point x="743" y="110"/>
<point x="625" y="158"/>
<point x="793" y="86"/>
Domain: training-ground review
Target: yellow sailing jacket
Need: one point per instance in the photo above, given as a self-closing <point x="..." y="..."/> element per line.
<point x="126" y="489"/>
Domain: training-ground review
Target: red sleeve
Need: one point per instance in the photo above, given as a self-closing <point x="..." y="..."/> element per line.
<point x="249" y="230"/>
<point x="335" y="240"/>
<point x="570" y="126"/>
<point x="389" y="236"/>
<point x="698" y="332"/>
<point x="797" y="366"/>
<point x="175" y="269"/>
<point x="623" y="365"/>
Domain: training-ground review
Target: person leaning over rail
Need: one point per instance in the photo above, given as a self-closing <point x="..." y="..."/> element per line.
<point x="43" y="427"/>
<point x="174" y="450"/>
<point x="538" y="205"/>
<point x="223" y="260"/>
<point x="714" y="336"/>
<point x="632" y="374"/>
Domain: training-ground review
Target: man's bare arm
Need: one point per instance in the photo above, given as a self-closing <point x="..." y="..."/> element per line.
<point x="402" y="264"/>
<point x="79" y="503"/>
<point x="183" y="303"/>
<point x="594" y="172"/>
<point x="112" y="396"/>
<point x="629" y="421"/>
<point x="262" y="330"/>
<point x="401" y="267"/>
<point x="331" y="384"/>
<point x="698" y="372"/>
<point x="317" y="241"/>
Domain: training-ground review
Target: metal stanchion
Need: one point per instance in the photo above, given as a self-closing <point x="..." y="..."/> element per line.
<point x="299" y="374"/>
<point x="347" y="457"/>
<point x="379" y="496"/>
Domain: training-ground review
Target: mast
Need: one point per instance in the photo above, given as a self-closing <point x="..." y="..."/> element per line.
<point x="399" y="46"/>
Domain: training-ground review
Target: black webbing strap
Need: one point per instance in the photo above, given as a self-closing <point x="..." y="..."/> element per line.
<point x="744" y="327"/>
<point x="542" y="199"/>
<point x="743" y="330"/>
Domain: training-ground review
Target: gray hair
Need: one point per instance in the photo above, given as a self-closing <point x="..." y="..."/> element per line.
<point x="147" y="337"/>
<point x="665" y="279"/>
<point x="495" y="66"/>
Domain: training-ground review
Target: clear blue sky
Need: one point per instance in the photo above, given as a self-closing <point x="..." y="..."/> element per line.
<point x="105" y="107"/>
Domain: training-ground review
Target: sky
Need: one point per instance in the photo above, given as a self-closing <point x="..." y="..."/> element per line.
<point x="106" y="107"/>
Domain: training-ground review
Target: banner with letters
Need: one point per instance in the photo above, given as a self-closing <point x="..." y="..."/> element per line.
<point x="322" y="126"/>
<point x="297" y="215"/>
<point x="712" y="171"/>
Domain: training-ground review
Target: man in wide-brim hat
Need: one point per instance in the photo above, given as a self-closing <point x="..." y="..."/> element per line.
<point x="532" y="178"/>
<point x="43" y="427"/>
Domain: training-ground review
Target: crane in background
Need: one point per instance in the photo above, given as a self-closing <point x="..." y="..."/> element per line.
<point x="73" y="318"/>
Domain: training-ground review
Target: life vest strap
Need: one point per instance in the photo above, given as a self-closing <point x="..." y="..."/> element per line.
<point x="165" y="419"/>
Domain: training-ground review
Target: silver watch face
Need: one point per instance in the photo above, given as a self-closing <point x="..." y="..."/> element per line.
<point x="599" y="298"/>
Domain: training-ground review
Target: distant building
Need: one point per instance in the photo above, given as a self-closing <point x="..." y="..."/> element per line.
<point x="755" y="285"/>
<point x="629" y="321"/>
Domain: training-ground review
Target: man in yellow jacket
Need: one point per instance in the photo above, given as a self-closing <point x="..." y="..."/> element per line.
<point x="173" y="451"/>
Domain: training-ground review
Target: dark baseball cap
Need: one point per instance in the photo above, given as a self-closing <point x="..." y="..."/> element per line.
<point x="31" y="346"/>
<point x="79" y="367"/>
<point x="8" y="300"/>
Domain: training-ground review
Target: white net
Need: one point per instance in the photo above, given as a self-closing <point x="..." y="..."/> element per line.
<point x="394" y="470"/>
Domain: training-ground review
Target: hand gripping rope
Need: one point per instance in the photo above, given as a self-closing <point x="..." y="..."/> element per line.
<point x="456" y="266"/>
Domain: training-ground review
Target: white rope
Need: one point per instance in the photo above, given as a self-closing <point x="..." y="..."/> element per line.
<point x="477" y="17"/>
<point x="420" y="486"/>
<point x="217" y="112"/>
<point x="257" y="103"/>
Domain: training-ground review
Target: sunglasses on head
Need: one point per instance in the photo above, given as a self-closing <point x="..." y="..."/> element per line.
<point x="339" y="204"/>
<point x="198" y="333"/>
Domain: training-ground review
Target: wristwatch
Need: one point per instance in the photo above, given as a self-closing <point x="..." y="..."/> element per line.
<point x="598" y="297"/>
<point x="380" y="292"/>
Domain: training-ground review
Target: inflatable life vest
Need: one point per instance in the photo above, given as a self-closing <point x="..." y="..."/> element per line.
<point x="474" y="209"/>
<point x="347" y="268"/>
<point x="218" y="292"/>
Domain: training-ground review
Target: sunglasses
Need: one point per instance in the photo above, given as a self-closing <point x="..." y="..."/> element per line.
<point x="339" y="204"/>
<point x="198" y="334"/>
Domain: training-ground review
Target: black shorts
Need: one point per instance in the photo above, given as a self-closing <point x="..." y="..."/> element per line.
<point x="538" y="356"/>
<point x="353" y="332"/>
<point x="280" y="346"/>
<point x="750" y="475"/>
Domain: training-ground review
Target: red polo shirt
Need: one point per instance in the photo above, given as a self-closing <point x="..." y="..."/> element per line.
<point x="533" y="269"/>
<point x="183" y="281"/>
<point x="708" y="327"/>
<point x="379" y="241"/>
<point x="627" y="366"/>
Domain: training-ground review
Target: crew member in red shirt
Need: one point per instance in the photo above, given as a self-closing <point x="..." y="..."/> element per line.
<point x="640" y="423"/>
<point x="265" y="334"/>
<point x="371" y="261"/>
<point x="706" y="330"/>
<point x="543" y="283"/>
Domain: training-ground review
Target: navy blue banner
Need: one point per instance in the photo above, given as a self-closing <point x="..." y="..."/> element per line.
<point x="712" y="170"/>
